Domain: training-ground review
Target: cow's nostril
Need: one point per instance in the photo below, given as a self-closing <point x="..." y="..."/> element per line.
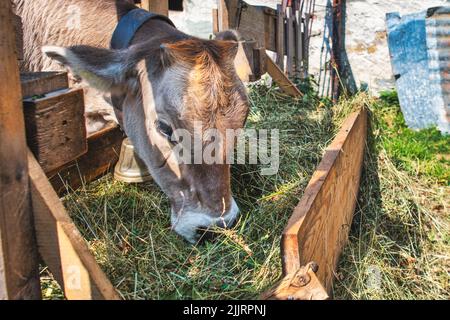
<point x="205" y="234"/>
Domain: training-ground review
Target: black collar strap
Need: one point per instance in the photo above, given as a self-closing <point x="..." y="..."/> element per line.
<point x="129" y="24"/>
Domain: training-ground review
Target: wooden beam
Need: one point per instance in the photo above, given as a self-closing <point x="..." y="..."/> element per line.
<point x="223" y="19"/>
<point x="299" y="45"/>
<point x="281" y="79"/>
<point x="318" y="229"/>
<point x="156" y="6"/>
<point x="61" y="245"/>
<point x="280" y="37"/>
<point x="103" y="153"/>
<point x="290" y="42"/>
<point x="215" y="19"/>
<point x="19" y="273"/>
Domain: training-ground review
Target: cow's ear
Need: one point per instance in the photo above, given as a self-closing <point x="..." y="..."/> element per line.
<point x="101" y="68"/>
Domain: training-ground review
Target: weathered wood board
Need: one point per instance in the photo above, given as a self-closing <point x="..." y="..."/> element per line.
<point x="103" y="153"/>
<point x="280" y="37"/>
<point x="55" y="127"/>
<point x="257" y="23"/>
<point x="19" y="274"/>
<point x="40" y="83"/>
<point x="281" y="79"/>
<point x="319" y="226"/>
<point x="290" y="42"/>
<point x="61" y="245"/>
<point x="156" y="6"/>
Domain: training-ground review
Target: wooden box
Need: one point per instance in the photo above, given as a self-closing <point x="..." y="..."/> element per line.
<point x="55" y="127"/>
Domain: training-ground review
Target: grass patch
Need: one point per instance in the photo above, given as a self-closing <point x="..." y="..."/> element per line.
<point x="424" y="153"/>
<point x="399" y="245"/>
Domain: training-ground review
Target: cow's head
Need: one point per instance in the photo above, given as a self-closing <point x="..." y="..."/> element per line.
<point x="166" y="91"/>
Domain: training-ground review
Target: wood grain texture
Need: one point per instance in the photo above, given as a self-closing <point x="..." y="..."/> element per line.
<point x="61" y="245"/>
<point x="18" y="28"/>
<point x="225" y="21"/>
<point x="215" y="19"/>
<point x="299" y="45"/>
<point x="55" y="127"/>
<point x="103" y="153"/>
<point x="281" y="79"/>
<point x="19" y="274"/>
<point x="290" y="42"/>
<point x="280" y="37"/>
<point x="156" y="6"/>
<point x="254" y="23"/>
<point x="302" y="284"/>
<point x="39" y="83"/>
<point x="319" y="226"/>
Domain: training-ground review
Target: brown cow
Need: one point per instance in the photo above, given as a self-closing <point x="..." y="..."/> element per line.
<point x="165" y="81"/>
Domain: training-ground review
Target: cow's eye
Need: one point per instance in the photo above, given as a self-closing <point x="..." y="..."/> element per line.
<point x="164" y="129"/>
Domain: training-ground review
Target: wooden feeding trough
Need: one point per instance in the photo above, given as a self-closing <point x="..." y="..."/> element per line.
<point x="34" y="225"/>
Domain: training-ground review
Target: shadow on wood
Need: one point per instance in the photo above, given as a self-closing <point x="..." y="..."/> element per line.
<point x="61" y="245"/>
<point x="103" y="153"/>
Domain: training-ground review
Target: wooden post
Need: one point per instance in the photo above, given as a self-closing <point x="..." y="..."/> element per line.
<point x="337" y="35"/>
<point x="299" y="67"/>
<point x="215" y="15"/>
<point x="280" y="37"/>
<point x="19" y="274"/>
<point x="156" y="6"/>
<point x="223" y="17"/>
<point x="290" y="41"/>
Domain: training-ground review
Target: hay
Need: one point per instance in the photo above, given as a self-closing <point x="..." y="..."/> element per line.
<point x="128" y="227"/>
<point x="396" y="231"/>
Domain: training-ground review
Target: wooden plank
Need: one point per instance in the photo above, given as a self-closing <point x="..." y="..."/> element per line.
<point x="254" y="23"/>
<point x="280" y="36"/>
<point x="55" y="127"/>
<point x="319" y="226"/>
<point x="299" y="45"/>
<point x="290" y="42"/>
<point x="19" y="273"/>
<point x="156" y="6"/>
<point x="39" y="83"/>
<point x="259" y="23"/>
<point x="215" y="15"/>
<point x="281" y="79"/>
<point x="103" y="153"/>
<point x="223" y="13"/>
<point x="61" y="245"/>
<point x="306" y="42"/>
